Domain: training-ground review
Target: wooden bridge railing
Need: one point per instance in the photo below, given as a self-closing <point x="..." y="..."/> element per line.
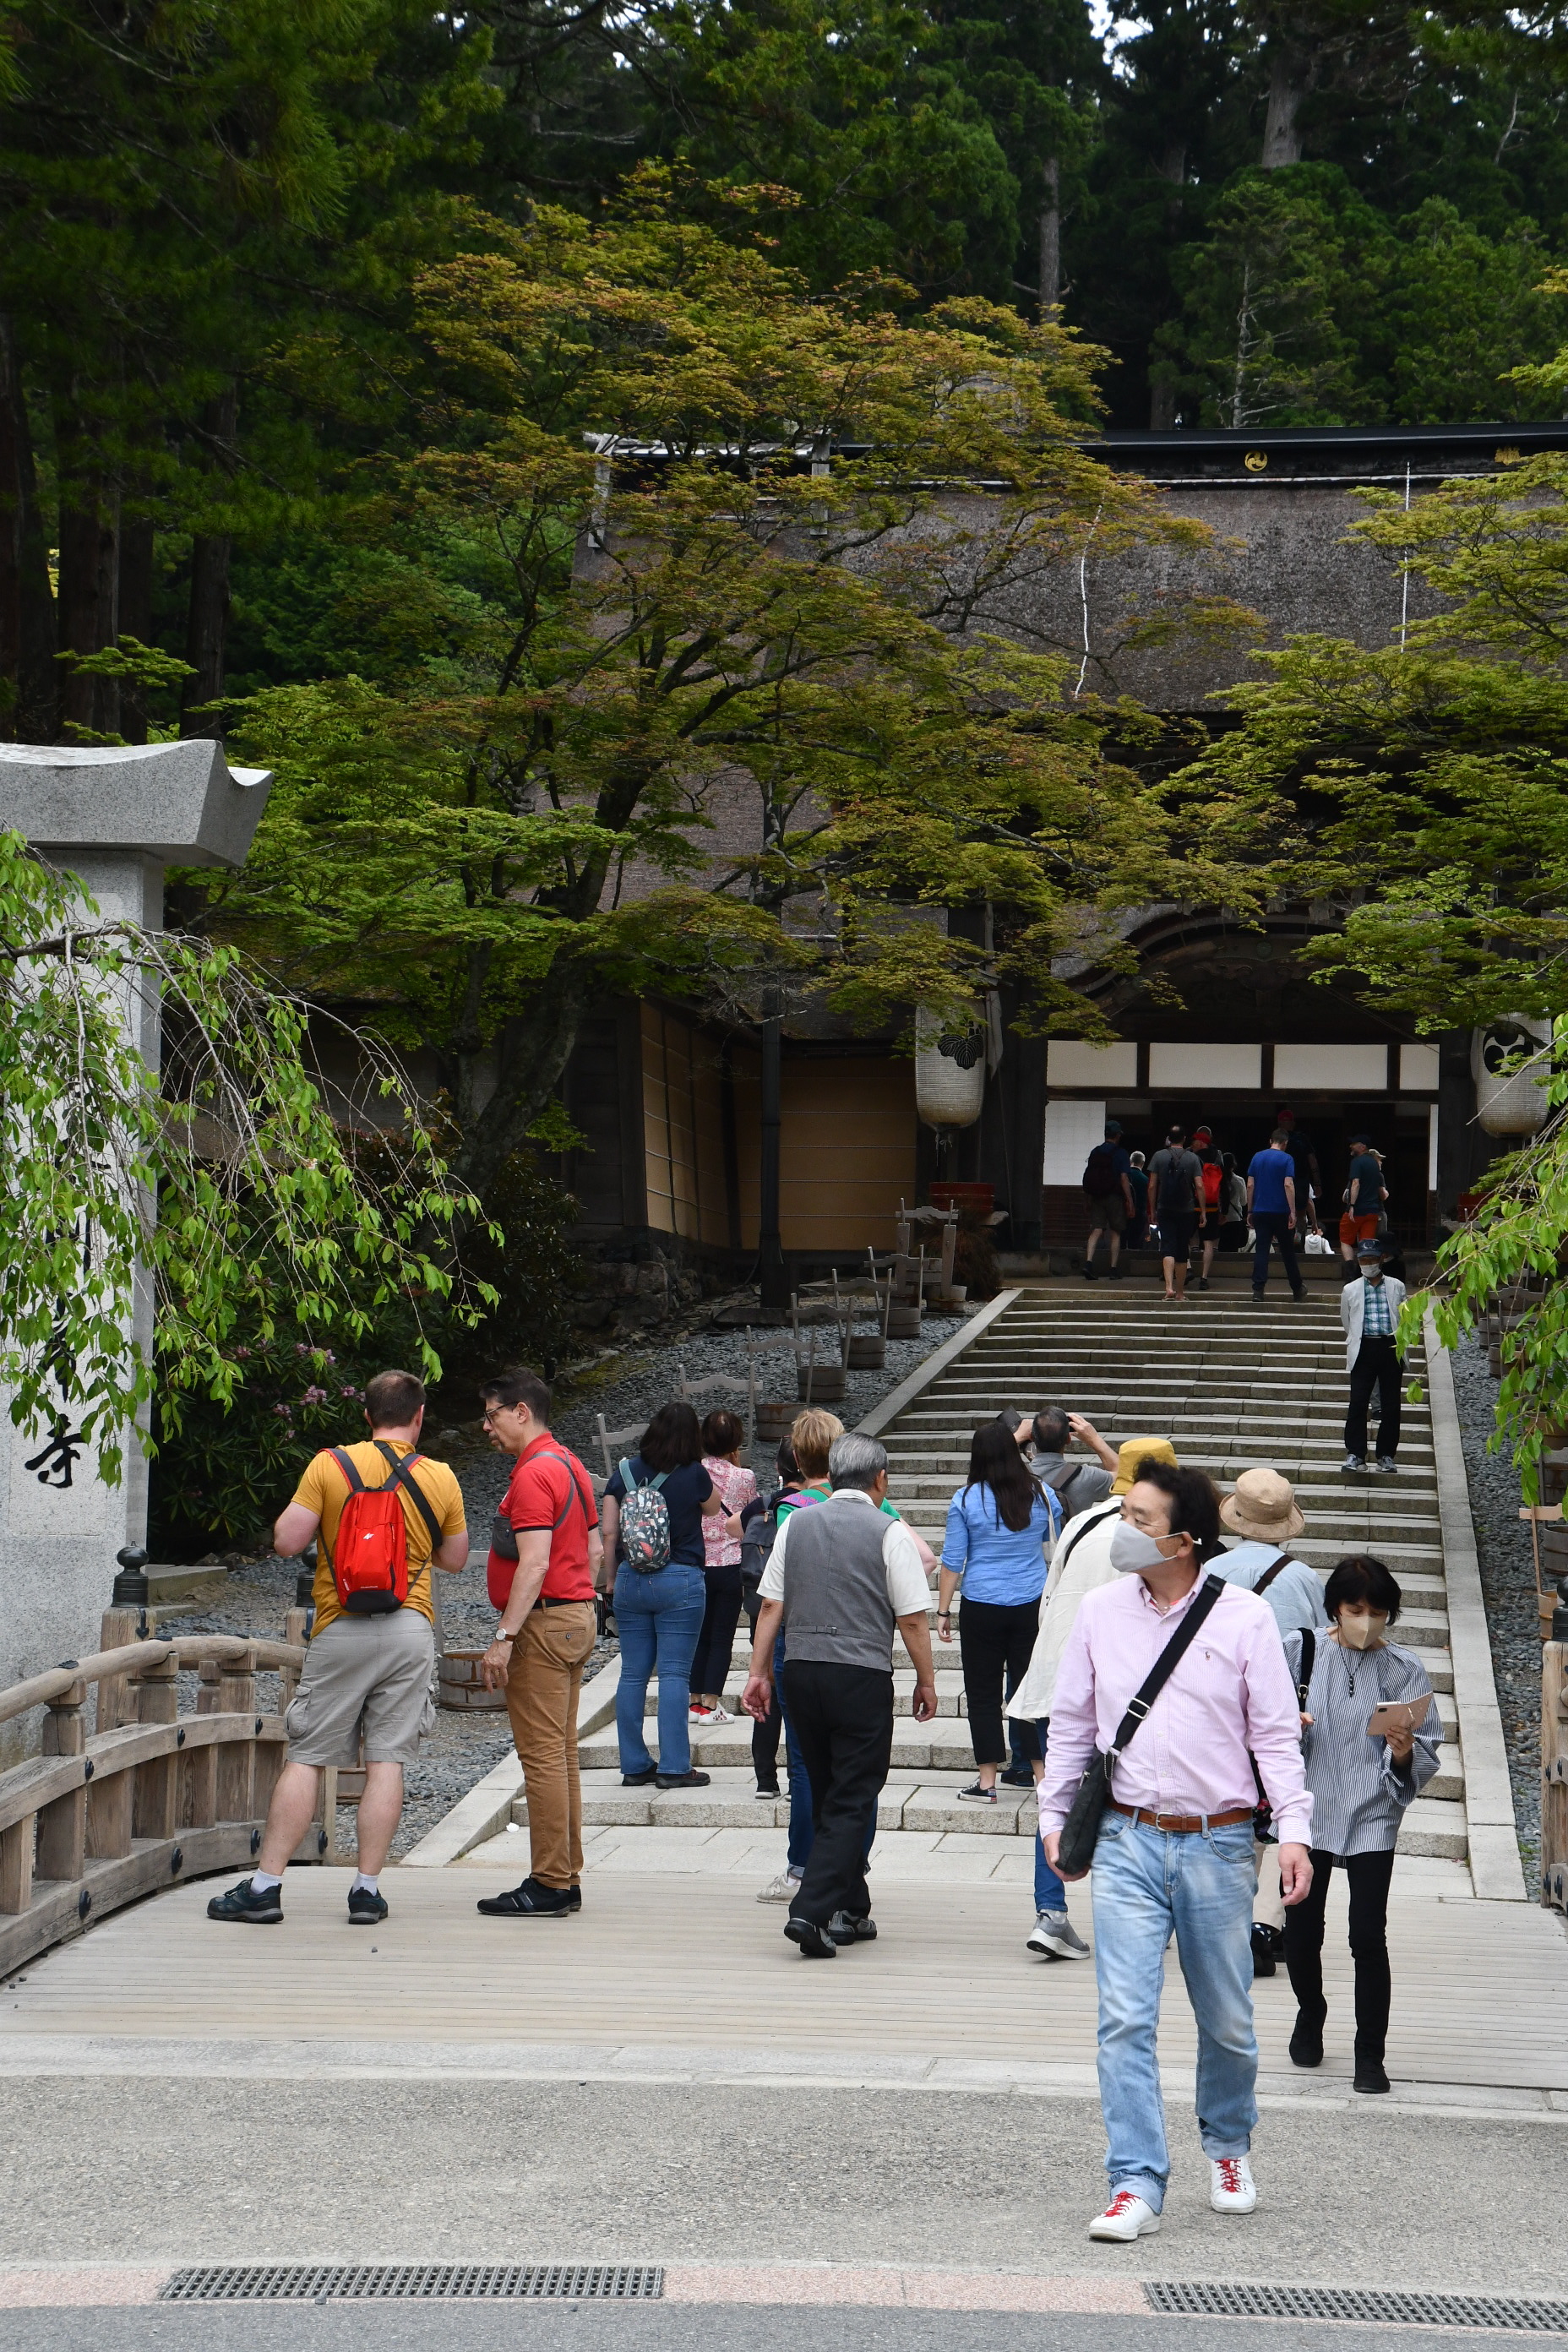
<point x="147" y="1796"/>
<point x="1555" y="1757"/>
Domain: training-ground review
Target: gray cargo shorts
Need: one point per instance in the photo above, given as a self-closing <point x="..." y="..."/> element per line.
<point x="380" y="1668"/>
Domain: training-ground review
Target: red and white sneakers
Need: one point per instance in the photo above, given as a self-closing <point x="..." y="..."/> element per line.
<point x="1127" y="2216"/>
<point x="1231" y="2186"/>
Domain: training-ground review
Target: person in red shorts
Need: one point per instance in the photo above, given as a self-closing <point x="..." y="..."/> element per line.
<point x="1365" y="1195"/>
<point x="545" y="1552"/>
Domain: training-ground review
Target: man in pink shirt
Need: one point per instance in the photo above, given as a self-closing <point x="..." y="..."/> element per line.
<point x="1174" y="1852"/>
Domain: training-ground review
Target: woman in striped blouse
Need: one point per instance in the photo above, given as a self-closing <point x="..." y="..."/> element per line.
<point x="1361" y="1785"/>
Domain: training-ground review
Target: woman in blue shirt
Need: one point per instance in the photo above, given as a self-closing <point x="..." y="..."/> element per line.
<point x="999" y="1524"/>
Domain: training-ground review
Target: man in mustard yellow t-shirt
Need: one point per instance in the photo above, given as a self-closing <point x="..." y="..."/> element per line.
<point x="374" y="1669"/>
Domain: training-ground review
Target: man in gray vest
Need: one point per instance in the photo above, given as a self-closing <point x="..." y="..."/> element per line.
<point x="839" y="1578"/>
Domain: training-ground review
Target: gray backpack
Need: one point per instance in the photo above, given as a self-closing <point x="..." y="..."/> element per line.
<point x="644" y="1524"/>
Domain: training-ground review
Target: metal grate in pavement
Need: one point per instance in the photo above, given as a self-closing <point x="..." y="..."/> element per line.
<point x="1391" y="2306"/>
<point x="413" y="2281"/>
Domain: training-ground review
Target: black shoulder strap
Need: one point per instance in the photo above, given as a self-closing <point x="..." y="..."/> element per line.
<point x="1076" y="1539"/>
<point x="1268" y="1575"/>
<point x="1309" y="1659"/>
<point x="1165" y="1665"/>
<point x="571" y="1469"/>
<point x="401" y="1468"/>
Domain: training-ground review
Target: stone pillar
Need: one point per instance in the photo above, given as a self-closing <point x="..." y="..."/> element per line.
<point x="116" y="816"/>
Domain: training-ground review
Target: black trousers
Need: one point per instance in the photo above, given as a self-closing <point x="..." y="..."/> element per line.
<point x="766" y="1735"/>
<point x="1369" y="1875"/>
<point x="842" y="1718"/>
<point x="716" y="1642"/>
<point x="1273" y="1226"/>
<point x="996" y="1642"/>
<point x="1376" y="1367"/>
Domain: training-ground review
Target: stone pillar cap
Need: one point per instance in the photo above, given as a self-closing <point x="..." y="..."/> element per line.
<point x="180" y="802"/>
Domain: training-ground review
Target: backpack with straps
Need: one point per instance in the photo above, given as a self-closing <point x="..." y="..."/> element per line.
<point x="645" y="1523"/>
<point x="370" y="1557"/>
<point x="1101" y="1180"/>
<point x="1214" y="1182"/>
<point x="758" y="1539"/>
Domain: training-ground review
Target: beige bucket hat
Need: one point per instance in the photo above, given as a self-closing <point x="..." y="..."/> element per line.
<point x="1263" y="1506"/>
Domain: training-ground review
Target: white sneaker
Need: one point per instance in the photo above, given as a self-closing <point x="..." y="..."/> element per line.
<point x="1056" y="1937"/>
<point x="1127" y="2216"/>
<point x="1232" y="2188"/>
<point x="782" y="1889"/>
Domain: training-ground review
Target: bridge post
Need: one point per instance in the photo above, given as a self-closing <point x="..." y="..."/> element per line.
<point x="62" y="1825"/>
<point x="157" y="1810"/>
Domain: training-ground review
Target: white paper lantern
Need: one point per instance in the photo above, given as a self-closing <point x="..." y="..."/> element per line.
<point x="1512" y="1101"/>
<point x="949" y="1072"/>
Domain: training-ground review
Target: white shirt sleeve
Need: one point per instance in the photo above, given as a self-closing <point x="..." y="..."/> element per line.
<point x="908" y="1591"/>
<point x="770" y="1586"/>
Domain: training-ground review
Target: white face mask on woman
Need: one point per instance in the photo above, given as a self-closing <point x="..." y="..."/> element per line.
<point x="1131" y="1550"/>
<point x="1363" y="1630"/>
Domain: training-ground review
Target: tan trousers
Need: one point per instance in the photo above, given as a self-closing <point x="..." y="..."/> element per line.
<point x="1269" y="1903"/>
<point x="547" y="1662"/>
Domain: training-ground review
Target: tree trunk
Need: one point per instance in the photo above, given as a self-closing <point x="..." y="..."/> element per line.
<point x="206" y="631"/>
<point x="135" y="617"/>
<point x="90" y="581"/>
<point x="1162" y="407"/>
<point x="26" y="599"/>
<point x="530" y="1057"/>
<point x="772" y="1275"/>
<point x="1290" y="83"/>
<point x="1050" y="238"/>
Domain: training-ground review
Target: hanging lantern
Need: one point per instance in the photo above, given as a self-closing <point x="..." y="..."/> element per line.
<point x="1512" y="1101"/>
<point x="949" y="1072"/>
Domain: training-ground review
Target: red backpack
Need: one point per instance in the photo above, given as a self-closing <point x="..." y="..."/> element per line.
<point x="1214" y="1178"/>
<point x="370" y="1558"/>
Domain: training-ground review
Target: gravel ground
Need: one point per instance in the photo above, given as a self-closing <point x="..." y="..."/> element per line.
<point x="1508" y="1581"/>
<point x="254" y="1596"/>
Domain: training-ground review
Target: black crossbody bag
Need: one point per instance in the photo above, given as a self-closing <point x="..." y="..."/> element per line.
<point x="1081" y="1827"/>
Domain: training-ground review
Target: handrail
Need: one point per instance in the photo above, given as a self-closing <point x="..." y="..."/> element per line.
<point x="135" y="1658"/>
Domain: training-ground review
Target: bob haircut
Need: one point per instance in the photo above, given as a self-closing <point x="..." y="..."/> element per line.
<point x="1194" y="1502"/>
<point x="812" y="1434"/>
<point x="1361" y="1578"/>
<point x="723" y="1432"/>
<point x="672" y="1438"/>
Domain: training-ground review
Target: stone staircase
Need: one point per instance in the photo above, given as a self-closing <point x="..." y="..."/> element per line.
<point x="1234" y="1385"/>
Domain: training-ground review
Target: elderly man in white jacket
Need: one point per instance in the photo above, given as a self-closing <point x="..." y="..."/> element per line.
<point x="1369" y="1309"/>
<point x="1081" y="1560"/>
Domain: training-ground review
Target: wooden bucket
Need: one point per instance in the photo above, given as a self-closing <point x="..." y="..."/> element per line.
<point x="460" y="1685"/>
<point x="903" y="1323"/>
<point x="827" y="1383"/>
<point x="868" y="1354"/>
<point x="775" y="1418"/>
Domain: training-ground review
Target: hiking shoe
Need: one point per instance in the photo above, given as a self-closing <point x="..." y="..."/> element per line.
<point x="844" y="1929"/>
<point x="977" y="1795"/>
<point x="639" y="1780"/>
<point x="815" y="1942"/>
<point x="1127" y="2216"/>
<point x="529" y="1901"/>
<point x="1232" y="2188"/>
<point x="681" y="1779"/>
<point x="1387" y="1465"/>
<point x="1056" y="1938"/>
<point x="367" y="1905"/>
<point x="1352" y="1462"/>
<point x="242" y="1902"/>
<point x="782" y="1889"/>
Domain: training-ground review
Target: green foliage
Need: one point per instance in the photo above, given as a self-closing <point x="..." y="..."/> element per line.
<point x="226" y="1190"/>
<point x="225" y="1467"/>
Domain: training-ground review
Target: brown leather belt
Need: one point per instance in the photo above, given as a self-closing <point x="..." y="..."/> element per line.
<point x="1183" y="1824"/>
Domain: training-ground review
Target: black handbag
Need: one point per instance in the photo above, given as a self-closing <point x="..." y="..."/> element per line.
<point x="1263" y="1828"/>
<point x="1081" y="1827"/>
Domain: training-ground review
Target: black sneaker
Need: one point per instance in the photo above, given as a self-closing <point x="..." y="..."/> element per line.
<point x="1306" y="2044"/>
<point x="764" y="1789"/>
<point x="529" y="1901"/>
<point x="1262" y="1952"/>
<point x="682" y="1779"/>
<point x="815" y="1943"/>
<point x="573" y="1897"/>
<point x="1088" y="1273"/>
<point x="1371" y="2078"/>
<point x="1020" y="1778"/>
<point x="639" y="1780"/>
<point x="365" y="1907"/>
<point x="242" y="1902"/>
<point x="844" y="1929"/>
<point x="1118" y="1273"/>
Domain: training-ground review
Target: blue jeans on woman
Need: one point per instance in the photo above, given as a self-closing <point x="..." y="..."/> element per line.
<point x="1050" y="1895"/>
<point x="659" y="1618"/>
<point x="1149" y="1884"/>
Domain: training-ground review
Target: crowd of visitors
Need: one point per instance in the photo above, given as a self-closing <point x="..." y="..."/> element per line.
<point x="1205" y="1725"/>
<point x="1191" y="1201"/>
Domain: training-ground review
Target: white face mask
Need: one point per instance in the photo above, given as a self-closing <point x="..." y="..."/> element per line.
<point x="1362" y="1633"/>
<point x="1131" y="1550"/>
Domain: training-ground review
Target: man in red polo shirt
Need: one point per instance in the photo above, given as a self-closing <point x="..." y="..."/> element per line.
<point x="544" y="1550"/>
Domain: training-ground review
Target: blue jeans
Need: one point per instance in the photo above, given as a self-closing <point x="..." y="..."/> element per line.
<point x="1274" y="1225"/>
<point x="1050" y="1895"/>
<point x="1147" y="1886"/>
<point x="802" y="1828"/>
<point x="659" y="1618"/>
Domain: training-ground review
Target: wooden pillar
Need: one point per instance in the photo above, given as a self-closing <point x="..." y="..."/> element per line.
<point x="108" y="1806"/>
<point x="155" y="1813"/>
<point x="117" y="1701"/>
<point x="200" y="1808"/>
<point x="62" y="1826"/>
<point x="236" y="1757"/>
<point x="16" y="1845"/>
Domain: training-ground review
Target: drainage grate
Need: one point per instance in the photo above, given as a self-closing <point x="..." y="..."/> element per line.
<point x="413" y="2281"/>
<point x="1206" y="2300"/>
